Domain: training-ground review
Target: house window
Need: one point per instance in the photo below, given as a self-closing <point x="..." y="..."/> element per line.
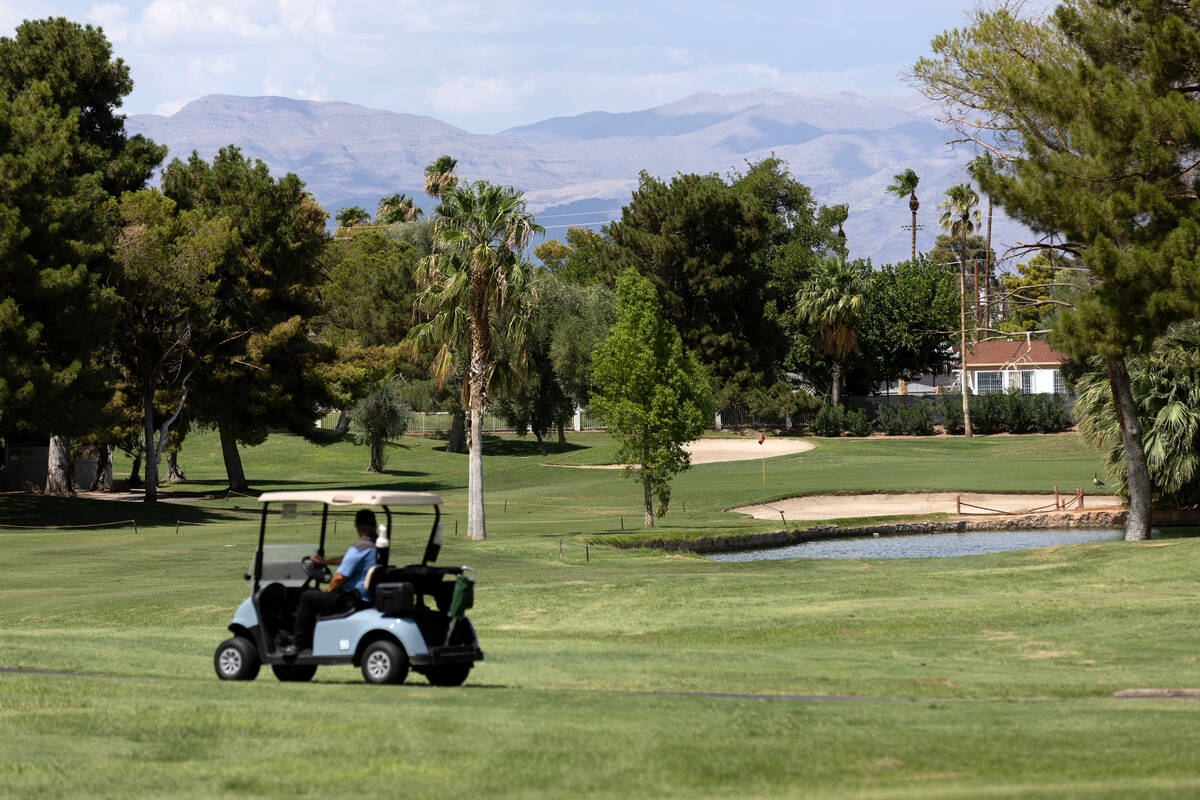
<point x="1026" y="381"/>
<point x="1059" y="386"/>
<point x="988" y="382"/>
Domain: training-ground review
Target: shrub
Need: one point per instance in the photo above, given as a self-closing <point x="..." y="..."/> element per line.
<point x="987" y="413"/>
<point x="380" y="416"/>
<point x="829" y="421"/>
<point x="950" y="406"/>
<point x="857" y="423"/>
<point x="888" y="420"/>
<point x="1047" y="416"/>
<point x="1015" y="413"/>
<point x="917" y="420"/>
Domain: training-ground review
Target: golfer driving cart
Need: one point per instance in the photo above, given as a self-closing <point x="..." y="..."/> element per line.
<point x="384" y="619"/>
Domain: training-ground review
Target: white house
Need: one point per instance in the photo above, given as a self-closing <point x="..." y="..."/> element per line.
<point x="1027" y="365"/>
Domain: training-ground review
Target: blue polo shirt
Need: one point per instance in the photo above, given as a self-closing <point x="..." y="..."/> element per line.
<point x="354" y="566"/>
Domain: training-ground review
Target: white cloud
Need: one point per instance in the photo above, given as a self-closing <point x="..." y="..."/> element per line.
<point x="14" y="12"/>
<point x="478" y="94"/>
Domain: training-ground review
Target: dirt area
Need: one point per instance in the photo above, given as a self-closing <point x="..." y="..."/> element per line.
<point x="835" y="506"/>
<point x="711" y="451"/>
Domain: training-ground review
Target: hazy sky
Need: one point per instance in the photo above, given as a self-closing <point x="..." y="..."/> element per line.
<point x="487" y="66"/>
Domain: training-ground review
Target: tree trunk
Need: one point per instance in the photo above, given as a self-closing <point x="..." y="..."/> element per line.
<point x="376" y="458"/>
<point x="233" y="459"/>
<point x="481" y="350"/>
<point x="836" y="394"/>
<point x="476" y="522"/>
<point x="541" y="443"/>
<point x="913" y="205"/>
<point x="458" y="432"/>
<point x="649" y="518"/>
<point x="101" y="468"/>
<point x="1137" y="525"/>
<point x="562" y="434"/>
<point x="151" y="481"/>
<point x="966" y="394"/>
<point x="987" y="273"/>
<point x="174" y="471"/>
<point x="901" y="387"/>
<point x="58" y="465"/>
<point x="135" y="471"/>
<point x="343" y="423"/>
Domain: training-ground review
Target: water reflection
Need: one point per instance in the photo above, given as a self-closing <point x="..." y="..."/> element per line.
<point x="941" y="545"/>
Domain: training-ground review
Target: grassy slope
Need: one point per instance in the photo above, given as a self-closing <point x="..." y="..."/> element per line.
<point x="1003" y="665"/>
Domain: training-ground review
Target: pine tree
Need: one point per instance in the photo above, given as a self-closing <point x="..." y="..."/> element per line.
<point x="1095" y="114"/>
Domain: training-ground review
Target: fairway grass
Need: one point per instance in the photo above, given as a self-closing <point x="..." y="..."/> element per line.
<point x="610" y="672"/>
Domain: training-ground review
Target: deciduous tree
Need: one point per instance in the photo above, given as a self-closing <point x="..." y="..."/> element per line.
<point x="653" y="396"/>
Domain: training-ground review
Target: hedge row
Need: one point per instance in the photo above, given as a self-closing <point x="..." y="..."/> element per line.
<point x="990" y="413"/>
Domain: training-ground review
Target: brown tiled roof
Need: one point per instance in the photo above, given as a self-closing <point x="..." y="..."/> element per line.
<point x="1020" y="353"/>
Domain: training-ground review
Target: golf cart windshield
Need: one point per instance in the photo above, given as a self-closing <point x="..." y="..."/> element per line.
<point x="281" y="564"/>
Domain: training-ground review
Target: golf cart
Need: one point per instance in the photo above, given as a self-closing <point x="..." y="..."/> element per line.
<point x="415" y="618"/>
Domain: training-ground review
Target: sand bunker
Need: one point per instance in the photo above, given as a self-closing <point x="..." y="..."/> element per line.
<point x="831" y="506"/>
<point x="711" y="451"/>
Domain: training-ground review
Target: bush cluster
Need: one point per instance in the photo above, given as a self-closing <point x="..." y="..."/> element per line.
<point x="914" y="420"/>
<point x="1012" y="412"/>
<point x="829" y="421"/>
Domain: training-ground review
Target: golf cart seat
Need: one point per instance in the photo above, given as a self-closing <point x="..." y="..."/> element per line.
<point x="389" y="595"/>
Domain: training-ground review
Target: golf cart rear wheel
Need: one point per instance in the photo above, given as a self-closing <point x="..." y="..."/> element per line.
<point x="294" y="672"/>
<point x="448" y="674"/>
<point x="236" y="659"/>
<point x="384" y="661"/>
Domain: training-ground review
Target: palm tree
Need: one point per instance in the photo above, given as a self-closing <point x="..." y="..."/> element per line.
<point x="397" y="208"/>
<point x="479" y="234"/>
<point x="439" y="177"/>
<point x="905" y="183"/>
<point x="834" y="300"/>
<point x="959" y="203"/>
<point x="351" y="216"/>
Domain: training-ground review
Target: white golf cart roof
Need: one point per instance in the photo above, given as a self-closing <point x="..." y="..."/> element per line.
<point x="353" y="497"/>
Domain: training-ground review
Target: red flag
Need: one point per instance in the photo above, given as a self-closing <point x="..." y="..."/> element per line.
<point x="761" y="438"/>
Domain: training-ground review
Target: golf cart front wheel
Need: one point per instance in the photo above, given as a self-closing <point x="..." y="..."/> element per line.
<point x="384" y="662"/>
<point x="236" y="659"/>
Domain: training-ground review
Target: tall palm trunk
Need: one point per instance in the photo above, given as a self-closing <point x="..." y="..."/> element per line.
<point x="987" y="272"/>
<point x="1137" y="525"/>
<point x="481" y="342"/>
<point x="913" y="205"/>
<point x="962" y="289"/>
<point x="836" y="394"/>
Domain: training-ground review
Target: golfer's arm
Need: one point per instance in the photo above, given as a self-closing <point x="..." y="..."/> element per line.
<point x="336" y="583"/>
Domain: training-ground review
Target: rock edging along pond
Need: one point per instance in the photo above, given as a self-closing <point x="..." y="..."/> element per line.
<point x="750" y="541"/>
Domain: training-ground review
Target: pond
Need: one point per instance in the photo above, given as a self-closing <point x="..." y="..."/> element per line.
<point x="942" y="545"/>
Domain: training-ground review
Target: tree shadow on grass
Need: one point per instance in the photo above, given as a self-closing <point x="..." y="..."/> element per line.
<point x="20" y="510"/>
<point x="495" y="446"/>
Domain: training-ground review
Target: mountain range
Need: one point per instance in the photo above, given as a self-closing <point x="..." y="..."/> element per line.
<point x="580" y="170"/>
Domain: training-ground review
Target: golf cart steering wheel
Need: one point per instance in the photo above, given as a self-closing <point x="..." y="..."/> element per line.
<point x="318" y="572"/>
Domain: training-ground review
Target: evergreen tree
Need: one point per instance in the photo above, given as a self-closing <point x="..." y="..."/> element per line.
<point x="63" y="154"/>
<point x="1094" y="111"/>
<point x="264" y="371"/>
